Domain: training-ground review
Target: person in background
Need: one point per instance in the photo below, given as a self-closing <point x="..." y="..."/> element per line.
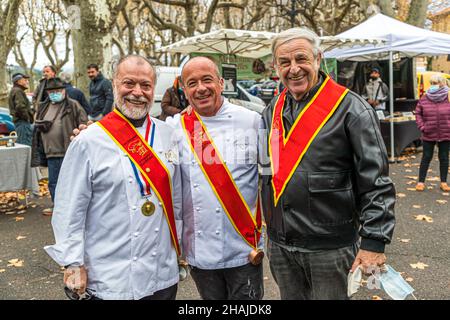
<point x="75" y="93"/>
<point x="174" y="101"/>
<point x="433" y="120"/>
<point x="20" y="109"/>
<point x="376" y="91"/>
<point x="55" y="121"/>
<point x="40" y="95"/>
<point x="101" y="93"/>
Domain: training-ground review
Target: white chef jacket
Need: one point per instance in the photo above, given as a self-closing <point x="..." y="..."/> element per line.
<point x="209" y="239"/>
<point x="97" y="219"/>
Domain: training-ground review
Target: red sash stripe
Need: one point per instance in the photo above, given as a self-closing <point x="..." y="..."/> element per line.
<point x="221" y="181"/>
<point x="286" y="151"/>
<point x="153" y="170"/>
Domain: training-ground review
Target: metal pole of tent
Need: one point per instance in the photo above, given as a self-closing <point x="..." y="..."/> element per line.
<point x="391" y="105"/>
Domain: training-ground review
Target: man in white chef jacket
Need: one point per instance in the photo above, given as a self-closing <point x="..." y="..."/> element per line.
<point x="112" y="227"/>
<point x="219" y="257"/>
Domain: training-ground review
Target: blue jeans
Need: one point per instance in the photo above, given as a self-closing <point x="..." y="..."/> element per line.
<point x="320" y="275"/>
<point x="238" y="283"/>
<point x="54" y="165"/>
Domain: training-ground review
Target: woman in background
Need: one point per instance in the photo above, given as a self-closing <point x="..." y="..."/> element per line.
<point x="433" y="120"/>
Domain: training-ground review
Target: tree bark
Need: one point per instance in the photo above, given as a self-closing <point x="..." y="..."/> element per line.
<point x="92" y="43"/>
<point x="8" y="30"/>
<point x="417" y="13"/>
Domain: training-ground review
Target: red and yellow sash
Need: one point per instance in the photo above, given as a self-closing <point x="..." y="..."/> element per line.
<point x="286" y="152"/>
<point x="153" y="170"/>
<point x="221" y="181"/>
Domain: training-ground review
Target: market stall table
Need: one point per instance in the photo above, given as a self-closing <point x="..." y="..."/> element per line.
<point x="15" y="169"/>
<point x="405" y="133"/>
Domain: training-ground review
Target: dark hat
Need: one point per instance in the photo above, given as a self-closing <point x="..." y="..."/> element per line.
<point x="375" y="69"/>
<point x="17" y="76"/>
<point x="54" y="83"/>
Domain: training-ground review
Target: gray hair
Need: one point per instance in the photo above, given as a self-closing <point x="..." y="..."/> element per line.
<point x="438" y="79"/>
<point x="66" y="77"/>
<point x="140" y="60"/>
<point x="294" y="34"/>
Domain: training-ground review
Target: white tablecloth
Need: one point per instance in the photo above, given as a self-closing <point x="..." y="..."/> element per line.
<point x="15" y="169"/>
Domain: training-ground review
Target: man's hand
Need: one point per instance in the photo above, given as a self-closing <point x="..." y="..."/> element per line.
<point x="370" y="101"/>
<point x="75" y="278"/>
<point x="80" y="128"/>
<point x="368" y="259"/>
<point x="188" y="110"/>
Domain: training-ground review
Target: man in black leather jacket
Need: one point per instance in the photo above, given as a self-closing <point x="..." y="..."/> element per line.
<point x="337" y="210"/>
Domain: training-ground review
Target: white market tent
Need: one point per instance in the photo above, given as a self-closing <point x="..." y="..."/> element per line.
<point x="400" y="38"/>
<point x="251" y="44"/>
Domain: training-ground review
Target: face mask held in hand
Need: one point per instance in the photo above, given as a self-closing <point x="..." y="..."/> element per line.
<point x="389" y="280"/>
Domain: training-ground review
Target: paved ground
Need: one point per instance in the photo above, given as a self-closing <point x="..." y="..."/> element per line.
<point x="429" y="242"/>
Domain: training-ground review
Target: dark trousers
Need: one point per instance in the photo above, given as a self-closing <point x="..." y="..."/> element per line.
<point x="311" y="275"/>
<point x="428" y="150"/>
<point x="238" y="283"/>
<point x="169" y="293"/>
<point x="54" y="166"/>
<point x="24" y="132"/>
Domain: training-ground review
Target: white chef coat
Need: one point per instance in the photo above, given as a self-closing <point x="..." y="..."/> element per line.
<point x="98" y="223"/>
<point x="209" y="239"/>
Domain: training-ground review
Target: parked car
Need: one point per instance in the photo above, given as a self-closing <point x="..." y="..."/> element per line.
<point x="247" y="100"/>
<point x="246" y="84"/>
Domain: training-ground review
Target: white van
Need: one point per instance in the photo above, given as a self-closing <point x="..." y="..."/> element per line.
<point x="167" y="75"/>
<point x="165" y="78"/>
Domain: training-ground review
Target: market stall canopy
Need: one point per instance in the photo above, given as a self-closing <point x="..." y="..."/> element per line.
<point x="400" y="37"/>
<point x="244" y="43"/>
<point x="329" y="43"/>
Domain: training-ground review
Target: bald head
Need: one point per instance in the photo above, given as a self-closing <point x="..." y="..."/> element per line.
<point x="134" y="59"/>
<point x="202" y="85"/>
<point x="205" y="61"/>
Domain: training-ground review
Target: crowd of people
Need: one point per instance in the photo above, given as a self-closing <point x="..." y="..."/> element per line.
<point x="137" y="198"/>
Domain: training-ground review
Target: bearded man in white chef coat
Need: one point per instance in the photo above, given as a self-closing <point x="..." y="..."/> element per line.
<point x="118" y="198"/>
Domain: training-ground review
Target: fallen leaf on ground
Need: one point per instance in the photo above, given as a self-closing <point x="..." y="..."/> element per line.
<point x="19" y="219"/>
<point x="411" y="189"/>
<point x="34" y="206"/>
<point x="33" y="250"/>
<point x="10" y="212"/>
<point x="401" y="195"/>
<point x="266" y="278"/>
<point x="411" y="182"/>
<point x="418" y="265"/>
<point x="416" y="206"/>
<point x="15" y="263"/>
<point x="446" y="194"/>
<point x="409" y="279"/>
<point x="430" y="188"/>
<point x="20" y="237"/>
<point x="407" y="165"/>
<point x="2" y="270"/>
<point x="411" y="177"/>
<point x="426" y="218"/>
<point x="441" y="201"/>
<point x="21" y="211"/>
<point x="21" y="207"/>
<point x="408" y="170"/>
<point x="405" y="240"/>
<point x="433" y="179"/>
<point x="376" y="298"/>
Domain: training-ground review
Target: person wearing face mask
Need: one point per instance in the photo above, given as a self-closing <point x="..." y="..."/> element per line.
<point x="433" y="120"/>
<point x="326" y="192"/>
<point x="54" y="123"/>
<point x="118" y="202"/>
<point x="376" y="91"/>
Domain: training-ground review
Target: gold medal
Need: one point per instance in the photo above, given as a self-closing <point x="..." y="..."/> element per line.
<point x="148" y="208"/>
<point x="255" y="257"/>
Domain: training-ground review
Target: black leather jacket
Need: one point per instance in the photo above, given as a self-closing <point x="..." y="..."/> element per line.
<point x="340" y="190"/>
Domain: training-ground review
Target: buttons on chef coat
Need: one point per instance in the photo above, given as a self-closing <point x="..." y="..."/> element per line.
<point x="156" y="230"/>
<point x="217" y="210"/>
<point x="135" y="258"/>
<point x="134" y="208"/>
<point x="217" y="232"/>
<point x="136" y="234"/>
<point x="198" y="209"/>
<point x="130" y="180"/>
<point x="195" y="185"/>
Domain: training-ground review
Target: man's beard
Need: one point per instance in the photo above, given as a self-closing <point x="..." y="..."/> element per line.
<point x="133" y="112"/>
